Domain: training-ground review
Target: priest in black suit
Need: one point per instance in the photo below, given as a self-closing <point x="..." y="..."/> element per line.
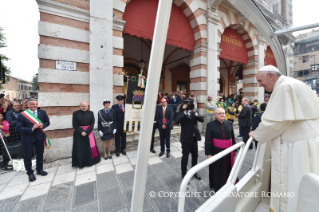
<point x="33" y="136"/>
<point x="190" y="136"/>
<point x="164" y="119"/>
<point x="120" y="135"/>
<point x="244" y="120"/>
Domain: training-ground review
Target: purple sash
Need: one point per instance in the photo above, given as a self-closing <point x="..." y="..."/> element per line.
<point x="224" y="144"/>
<point x="92" y="142"/>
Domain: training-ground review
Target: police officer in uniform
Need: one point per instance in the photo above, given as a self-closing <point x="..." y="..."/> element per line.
<point x="120" y="135"/>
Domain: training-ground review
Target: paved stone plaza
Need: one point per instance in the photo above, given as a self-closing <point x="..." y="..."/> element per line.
<point x="106" y="186"/>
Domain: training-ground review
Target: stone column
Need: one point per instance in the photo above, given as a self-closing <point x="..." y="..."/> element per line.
<point x="261" y="63"/>
<point x="101" y="52"/>
<point x="212" y="53"/>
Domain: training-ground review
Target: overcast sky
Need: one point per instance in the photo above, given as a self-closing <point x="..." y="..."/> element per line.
<point x="19" y="20"/>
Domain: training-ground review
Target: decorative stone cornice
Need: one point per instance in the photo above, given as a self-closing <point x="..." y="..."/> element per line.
<point x="229" y="6"/>
<point x="63" y="10"/>
<point x="261" y="40"/>
<point x="200" y="48"/>
<point x="118" y="24"/>
<point x="241" y="19"/>
<point x="212" y="16"/>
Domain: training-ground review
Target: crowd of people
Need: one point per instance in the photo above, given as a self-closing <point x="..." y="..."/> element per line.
<point x="9" y="110"/>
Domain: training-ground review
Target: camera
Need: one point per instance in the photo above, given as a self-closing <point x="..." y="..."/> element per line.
<point x="189" y="102"/>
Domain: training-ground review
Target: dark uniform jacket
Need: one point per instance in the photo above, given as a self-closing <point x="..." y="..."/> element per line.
<point x="119" y="117"/>
<point x="189" y="127"/>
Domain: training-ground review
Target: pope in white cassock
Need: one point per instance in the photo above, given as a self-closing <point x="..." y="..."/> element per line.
<point x="291" y="124"/>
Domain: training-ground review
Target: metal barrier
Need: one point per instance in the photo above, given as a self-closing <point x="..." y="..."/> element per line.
<point x="232" y="176"/>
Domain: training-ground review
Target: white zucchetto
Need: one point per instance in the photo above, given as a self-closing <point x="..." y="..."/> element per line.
<point x="269" y="68"/>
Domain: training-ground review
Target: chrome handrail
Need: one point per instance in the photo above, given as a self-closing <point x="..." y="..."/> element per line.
<point x="205" y="163"/>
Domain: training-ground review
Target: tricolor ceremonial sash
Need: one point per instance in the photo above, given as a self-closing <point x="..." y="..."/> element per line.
<point x="28" y="115"/>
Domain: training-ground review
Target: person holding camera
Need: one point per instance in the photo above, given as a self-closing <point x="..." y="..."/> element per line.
<point x="164" y="118"/>
<point x="190" y="135"/>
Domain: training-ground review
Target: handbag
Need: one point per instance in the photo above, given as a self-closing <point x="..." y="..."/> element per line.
<point x="106" y="125"/>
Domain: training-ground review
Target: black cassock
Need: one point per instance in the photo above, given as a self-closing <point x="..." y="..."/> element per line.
<point x="82" y="152"/>
<point x="220" y="169"/>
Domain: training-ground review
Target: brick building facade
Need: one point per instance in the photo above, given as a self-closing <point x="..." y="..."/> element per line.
<point x="93" y="35"/>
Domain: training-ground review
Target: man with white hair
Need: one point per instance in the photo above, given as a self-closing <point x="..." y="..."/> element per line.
<point x="291" y="123"/>
<point x="218" y="137"/>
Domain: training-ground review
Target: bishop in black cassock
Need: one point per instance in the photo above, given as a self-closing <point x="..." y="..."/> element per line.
<point x="219" y="136"/>
<point x="84" y="152"/>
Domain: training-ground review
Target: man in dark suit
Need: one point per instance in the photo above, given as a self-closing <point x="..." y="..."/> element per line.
<point x="244" y="120"/>
<point x="189" y="137"/>
<point x="32" y="135"/>
<point x="120" y="135"/>
<point x="12" y="117"/>
<point x="164" y="118"/>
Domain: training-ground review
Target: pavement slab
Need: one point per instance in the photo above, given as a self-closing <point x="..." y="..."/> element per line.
<point x="102" y="168"/>
<point x="9" y="203"/>
<point x="59" y="195"/>
<point x="64" y="178"/>
<point x="106" y="181"/>
<point x="107" y="186"/>
<point x="111" y="200"/>
<point x="32" y="204"/>
<point x="12" y="191"/>
<point x="35" y="191"/>
<point x="125" y="167"/>
<point x="85" y="178"/>
<point x="84" y="194"/>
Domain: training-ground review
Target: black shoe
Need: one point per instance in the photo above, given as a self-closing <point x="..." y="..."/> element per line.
<point x="31" y="177"/>
<point x="105" y="157"/>
<point x="167" y="155"/>
<point x="152" y="150"/>
<point x="117" y="154"/>
<point x="42" y="173"/>
<point x="197" y="176"/>
<point x="161" y="154"/>
<point x="110" y="157"/>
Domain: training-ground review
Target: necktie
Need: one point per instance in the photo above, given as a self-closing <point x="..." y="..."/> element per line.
<point x="107" y="112"/>
<point x="164" y="111"/>
<point x="34" y="113"/>
<point x="121" y="107"/>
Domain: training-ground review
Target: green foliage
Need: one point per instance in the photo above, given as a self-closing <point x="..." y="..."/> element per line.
<point x="3" y="57"/>
<point x="35" y="83"/>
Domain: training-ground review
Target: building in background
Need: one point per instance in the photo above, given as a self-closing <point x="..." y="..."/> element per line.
<point x="25" y="87"/>
<point x="18" y="88"/>
<point x="11" y="87"/>
<point x="87" y="48"/>
<point x="306" y="58"/>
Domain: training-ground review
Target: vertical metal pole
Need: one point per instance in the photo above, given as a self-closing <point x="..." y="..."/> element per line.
<point x="154" y="72"/>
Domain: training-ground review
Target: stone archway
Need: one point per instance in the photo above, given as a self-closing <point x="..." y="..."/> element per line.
<point x="250" y="36"/>
<point x="195" y="11"/>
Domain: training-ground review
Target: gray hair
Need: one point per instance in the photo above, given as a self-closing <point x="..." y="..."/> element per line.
<point x="31" y="100"/>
